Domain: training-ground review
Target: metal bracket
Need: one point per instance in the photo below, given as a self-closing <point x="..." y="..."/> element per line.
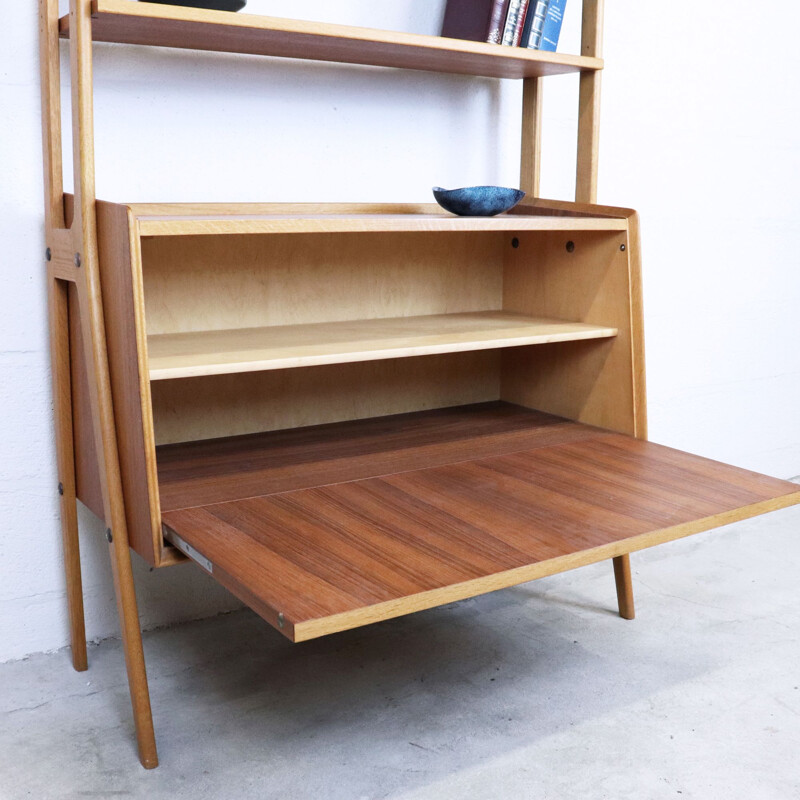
<point x="187" y="549"/>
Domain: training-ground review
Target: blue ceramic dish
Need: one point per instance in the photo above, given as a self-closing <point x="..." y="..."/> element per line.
<point x="209" y="5"/>
<point x="477" y="201"/>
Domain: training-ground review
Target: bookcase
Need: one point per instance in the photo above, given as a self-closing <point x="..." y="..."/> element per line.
<point x="348" y="412"/>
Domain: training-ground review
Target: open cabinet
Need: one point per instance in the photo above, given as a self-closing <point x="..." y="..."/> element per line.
<point x="344" y="412"/>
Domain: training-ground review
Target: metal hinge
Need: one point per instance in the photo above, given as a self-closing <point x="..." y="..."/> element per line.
<point x="188" y="550"/>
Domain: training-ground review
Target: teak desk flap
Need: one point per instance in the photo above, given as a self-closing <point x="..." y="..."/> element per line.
<point x="428" y="508"/>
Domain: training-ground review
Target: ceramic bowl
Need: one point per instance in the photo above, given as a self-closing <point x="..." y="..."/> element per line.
<point x="214" y="5"/>
<point x="477" y="201"/>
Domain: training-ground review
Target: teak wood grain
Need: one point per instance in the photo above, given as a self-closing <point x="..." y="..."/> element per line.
<point x="87" y="475"/>
<point x="219" y="470"/>
<point x="409" y="512"/>
<point x="167" y="26"/>
<point x="121" y="281"/>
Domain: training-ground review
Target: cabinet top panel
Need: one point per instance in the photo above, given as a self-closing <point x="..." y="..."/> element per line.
<point x="175" y="219"/>
<point x="129" y="22"/>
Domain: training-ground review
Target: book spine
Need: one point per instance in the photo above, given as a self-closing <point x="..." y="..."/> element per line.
<point x="523" y="12"/>
<point x="511" y="22"/>
<point x="552" y="25"/>
<point x="537" y="17"/>
<point x="497" y="22"/>
<point x="526" y="28"/>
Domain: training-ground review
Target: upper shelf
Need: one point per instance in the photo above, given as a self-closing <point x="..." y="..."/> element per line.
<point x="131" y="22"/>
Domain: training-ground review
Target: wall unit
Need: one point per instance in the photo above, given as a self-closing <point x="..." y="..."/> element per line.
<point x="349" y="412"/>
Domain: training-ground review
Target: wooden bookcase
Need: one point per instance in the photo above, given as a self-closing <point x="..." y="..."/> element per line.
<point x="369" y="409"/>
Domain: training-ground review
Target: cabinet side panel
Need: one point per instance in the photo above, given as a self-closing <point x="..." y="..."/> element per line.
<point x="87" y="476"/>
<point x="583" y="277"/>
<point x="124" y="360"/>
<point x="228" y="405"/>
<point x="637" y="326"/>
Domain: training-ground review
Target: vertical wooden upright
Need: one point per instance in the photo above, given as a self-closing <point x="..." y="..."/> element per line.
<point x="589" y="105"/>
<point x="72" y="255"/>
<point x="58" y="264"/>
<point x="586" y="168"/>
<point x="530" y="162"/>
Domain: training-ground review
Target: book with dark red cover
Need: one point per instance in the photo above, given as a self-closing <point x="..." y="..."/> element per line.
<point x="523" y="13"/>
<point x="476" y="20"/>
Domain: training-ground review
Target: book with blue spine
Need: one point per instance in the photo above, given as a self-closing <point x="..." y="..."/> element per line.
<point x="552" y="25"/>
<point x="534" y="23"/>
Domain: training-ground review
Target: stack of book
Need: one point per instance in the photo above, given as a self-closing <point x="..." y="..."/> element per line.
<point x="535" y="24"/>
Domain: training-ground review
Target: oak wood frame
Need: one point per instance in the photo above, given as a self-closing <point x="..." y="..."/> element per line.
<point x="73" y="259"/>
<point x="82" y="382"/>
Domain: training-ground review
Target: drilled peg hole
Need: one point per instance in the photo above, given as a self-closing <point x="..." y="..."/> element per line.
<point x="570" y="247"/>
<point x="515" y="243"/>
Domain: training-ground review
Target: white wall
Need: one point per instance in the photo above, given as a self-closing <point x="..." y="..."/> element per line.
<point x="700" y="133"/>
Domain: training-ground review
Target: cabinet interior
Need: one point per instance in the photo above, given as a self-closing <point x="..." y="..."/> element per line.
<point x="199" y="284"/>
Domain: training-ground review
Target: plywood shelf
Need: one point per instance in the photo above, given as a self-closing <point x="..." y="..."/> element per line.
<point x="178" y="220"/>
<point x="128" y="22"/>
<point x="186" y="355"/>
<point x="327" y="528"/>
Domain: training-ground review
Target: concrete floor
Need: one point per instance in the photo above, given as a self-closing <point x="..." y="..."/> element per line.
<point x="534" y="692"/>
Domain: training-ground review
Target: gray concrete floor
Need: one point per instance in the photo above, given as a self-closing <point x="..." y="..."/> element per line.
<point x="535" y="692"/>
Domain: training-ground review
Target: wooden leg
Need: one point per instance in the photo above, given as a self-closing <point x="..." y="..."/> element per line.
<point x="134" y="653"/>
<point x="62" y="405"/>
<point x="622" y="576"/>
<point x="92" y="328"/>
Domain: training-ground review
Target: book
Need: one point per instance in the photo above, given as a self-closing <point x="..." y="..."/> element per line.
<point x="523" y="15"/>
<point x="552" y="25"/>
<point x="476" y="20"/>
<point x="515" y="21"/>
<point x="497" y="21"/>
<point x="534" y="23"/>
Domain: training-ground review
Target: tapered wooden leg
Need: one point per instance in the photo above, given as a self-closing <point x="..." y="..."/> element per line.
<point x="622" y="576"/>
<point x="62" y="406"/>
<point x="134" y="653"/>
<point x="114" y="511"/>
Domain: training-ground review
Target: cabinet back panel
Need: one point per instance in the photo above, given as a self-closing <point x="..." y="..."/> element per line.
<point x="196" y="283"/>
<point x="591" y="381"/>
<point x="228" y="405"/>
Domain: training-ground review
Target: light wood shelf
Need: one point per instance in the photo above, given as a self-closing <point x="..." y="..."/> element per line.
<point x="170" y="220"/>
<point x="128" y="22"/>
<point x="187" y="355"/>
